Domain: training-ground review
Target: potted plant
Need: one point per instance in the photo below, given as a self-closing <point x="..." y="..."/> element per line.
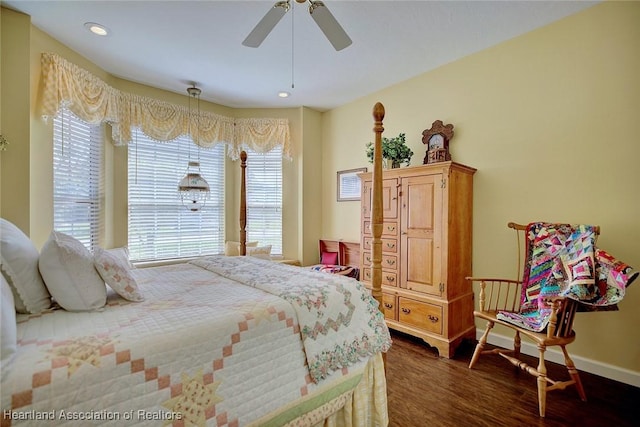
<point x="394" y="151"/>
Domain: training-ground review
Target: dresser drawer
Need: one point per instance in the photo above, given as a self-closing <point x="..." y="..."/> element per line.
<point x="389" y="262"/>
<point x="420" y="314"/>
<point x="389" y="278"/>
<point x="388" y="245"/>
<point x="388" y="228"/>
<point x="389" y="306"/>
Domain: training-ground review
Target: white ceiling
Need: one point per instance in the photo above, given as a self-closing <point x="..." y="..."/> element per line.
<point x="169" y="44"/>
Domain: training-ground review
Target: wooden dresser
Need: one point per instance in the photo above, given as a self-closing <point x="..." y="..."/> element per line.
<point x="426" y="251"/>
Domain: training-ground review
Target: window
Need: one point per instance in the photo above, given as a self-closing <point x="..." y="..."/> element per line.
<point x="77" y="161"/>
<point x="264" y="198"/>
<point x="160" y="227"/>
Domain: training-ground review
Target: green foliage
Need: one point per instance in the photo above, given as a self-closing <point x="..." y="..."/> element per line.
<point x="394" y="150"/>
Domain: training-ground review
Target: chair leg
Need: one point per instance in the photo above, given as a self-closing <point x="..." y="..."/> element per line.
<point x="542" y="382"/>
<point x="516" y="345"/>
<point x="573" y="372"/>
<point x="480" y="345"/>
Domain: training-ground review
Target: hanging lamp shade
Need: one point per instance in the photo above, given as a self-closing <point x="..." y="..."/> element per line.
<point x="193" y="188"/>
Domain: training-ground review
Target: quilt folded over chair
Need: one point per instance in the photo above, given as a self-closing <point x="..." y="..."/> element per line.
<point x="562" y="260"/>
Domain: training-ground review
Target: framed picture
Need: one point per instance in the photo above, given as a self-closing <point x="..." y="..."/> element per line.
<point x="349" y="184"/>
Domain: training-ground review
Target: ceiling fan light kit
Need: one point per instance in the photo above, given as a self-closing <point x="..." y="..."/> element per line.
<point x="318" y="11"/>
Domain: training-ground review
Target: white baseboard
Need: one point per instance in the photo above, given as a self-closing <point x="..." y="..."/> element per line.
<point x="583" y="364"/>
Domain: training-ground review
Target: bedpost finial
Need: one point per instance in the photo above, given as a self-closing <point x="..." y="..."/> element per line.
<point x="243" y="156"/>
<point x="378" y="112"/>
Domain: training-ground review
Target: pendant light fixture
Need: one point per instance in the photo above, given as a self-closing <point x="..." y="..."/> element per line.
<point x="193" y="188"/>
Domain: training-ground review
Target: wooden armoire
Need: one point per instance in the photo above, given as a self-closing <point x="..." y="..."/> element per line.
<point x="426" y="251"/>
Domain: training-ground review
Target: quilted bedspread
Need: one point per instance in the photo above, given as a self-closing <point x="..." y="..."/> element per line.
<point x="202" y="349"/>
<point x="339" y="320"/>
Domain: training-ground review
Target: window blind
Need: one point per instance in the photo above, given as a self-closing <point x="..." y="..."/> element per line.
<point x="264" y="198"/>
<point x="160" y="227"/>
<point x="77" y="184"/>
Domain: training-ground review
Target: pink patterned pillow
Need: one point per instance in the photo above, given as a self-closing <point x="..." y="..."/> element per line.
<point x="115" y="272"/>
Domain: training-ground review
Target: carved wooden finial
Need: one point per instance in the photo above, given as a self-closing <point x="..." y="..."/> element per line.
<point x="378" y="112"/>
<point x="243" y="156"/>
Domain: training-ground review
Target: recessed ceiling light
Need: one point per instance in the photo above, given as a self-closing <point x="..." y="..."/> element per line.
<point x="98" y="29"/>
<point x="283" y="94"/>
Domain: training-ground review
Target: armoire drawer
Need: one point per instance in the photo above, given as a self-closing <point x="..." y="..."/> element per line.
<point x="389" y="306"/>
<point x="388" y="245"/>
<point x="420" y="314"/>
<point x="388" y="228"/>
<point x="389" y="262"/>
<point x="389" y="278"/>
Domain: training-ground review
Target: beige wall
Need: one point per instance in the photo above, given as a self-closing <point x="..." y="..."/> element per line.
<point x="14" y="122"/>
<point x="551" y="121"/>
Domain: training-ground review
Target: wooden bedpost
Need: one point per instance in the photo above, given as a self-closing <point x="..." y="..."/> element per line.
<point x="376" y="205"/>
<point x="243" y="204"/>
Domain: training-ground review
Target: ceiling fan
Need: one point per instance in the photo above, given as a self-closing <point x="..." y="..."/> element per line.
<point x="319" y="12"/>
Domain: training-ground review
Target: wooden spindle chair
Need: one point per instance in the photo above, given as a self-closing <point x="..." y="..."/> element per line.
<point x="505" y="295"/>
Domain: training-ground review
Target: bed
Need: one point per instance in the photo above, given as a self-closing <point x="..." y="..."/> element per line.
<point x="338" y="257"/>
<point x="236" y="341"/>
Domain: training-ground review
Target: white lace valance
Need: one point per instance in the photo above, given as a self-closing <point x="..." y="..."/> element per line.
<point x="261" y="135"/>
<point x="91" y="99"/>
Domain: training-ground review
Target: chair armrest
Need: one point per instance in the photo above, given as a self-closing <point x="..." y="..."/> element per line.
<point x="563" y="310"/>
<point x="490" y="279"/>
<point x="498" y="294"/>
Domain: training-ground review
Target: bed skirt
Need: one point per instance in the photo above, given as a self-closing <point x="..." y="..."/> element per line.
<point x="364" y="405"/>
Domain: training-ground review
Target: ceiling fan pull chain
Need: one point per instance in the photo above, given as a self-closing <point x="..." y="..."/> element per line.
<point x="293" y="18"/>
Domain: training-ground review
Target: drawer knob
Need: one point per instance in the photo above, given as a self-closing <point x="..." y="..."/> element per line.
<point x="387" y="305"/>
<point x="406" y="310"/>
<point x="391" y="262"/>
<point x="433" y="319"/>
<point x="391" y="278"/>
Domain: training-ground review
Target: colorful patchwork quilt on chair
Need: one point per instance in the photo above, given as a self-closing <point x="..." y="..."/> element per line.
<point x="562" y="260"/>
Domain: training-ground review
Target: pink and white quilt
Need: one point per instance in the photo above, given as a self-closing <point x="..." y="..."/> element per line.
<point x="339" y="321"/>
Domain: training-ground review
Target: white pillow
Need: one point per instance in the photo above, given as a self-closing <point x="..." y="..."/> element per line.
<point x="232" y="248"/>
<point x="122" y="254"/>
<point x="263" y="252"/>
<point x="8" y="333"/>
<point x="115" y="271"/>
<point x="19" y="264"/>
<point x="67" y="269"/>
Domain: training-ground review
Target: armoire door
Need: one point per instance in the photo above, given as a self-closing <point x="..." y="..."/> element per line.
<point x="421" y="234"/>
<point x="389" y="198"/>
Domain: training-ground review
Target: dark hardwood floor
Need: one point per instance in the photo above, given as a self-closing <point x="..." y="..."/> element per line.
<point x="427" y="390"/>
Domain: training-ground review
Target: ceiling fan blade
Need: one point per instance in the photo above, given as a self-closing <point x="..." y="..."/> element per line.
<point x="266" y="24"/>
<point x="329" y="26"/>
